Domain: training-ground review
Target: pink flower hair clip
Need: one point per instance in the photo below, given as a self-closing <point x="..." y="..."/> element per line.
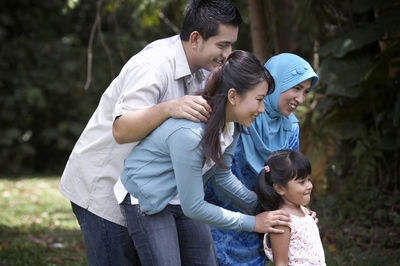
<point x="266" y="168"/>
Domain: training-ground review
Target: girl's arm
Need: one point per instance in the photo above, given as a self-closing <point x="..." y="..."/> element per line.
<point x="280" y="246"/>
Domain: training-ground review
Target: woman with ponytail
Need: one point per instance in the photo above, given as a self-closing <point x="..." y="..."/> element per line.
<point x="168" y="170"/>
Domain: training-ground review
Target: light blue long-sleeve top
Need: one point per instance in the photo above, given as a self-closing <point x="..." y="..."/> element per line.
<point x="169" y="162"/>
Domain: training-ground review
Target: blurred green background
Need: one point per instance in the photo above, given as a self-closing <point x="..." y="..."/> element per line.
<point x="349" y="124"/>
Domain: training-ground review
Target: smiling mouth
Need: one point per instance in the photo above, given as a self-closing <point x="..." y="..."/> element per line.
<point x="292" y="106"/>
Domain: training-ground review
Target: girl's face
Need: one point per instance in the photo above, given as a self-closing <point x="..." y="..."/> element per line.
<point x="297" y="192"/>
<point x="243" y="109"/>
<point x="290" y="99"/>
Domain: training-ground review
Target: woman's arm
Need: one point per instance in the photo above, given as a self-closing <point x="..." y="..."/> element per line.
<point x="280" y="246"/>
<point x="187" y="162"/>
<point x="226" y="182"/>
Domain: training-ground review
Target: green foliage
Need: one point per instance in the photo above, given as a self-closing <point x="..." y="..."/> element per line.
<point x="357" y="116"/>
<point x="359" y="97"/>
<point x="44" y="68"/>
<point x="355" y="123"/>
<point x="335" y="73"/>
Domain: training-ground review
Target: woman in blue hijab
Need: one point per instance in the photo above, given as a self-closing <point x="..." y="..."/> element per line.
<point x="277" y="128"/>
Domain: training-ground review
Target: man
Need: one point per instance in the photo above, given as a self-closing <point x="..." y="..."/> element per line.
<point x="152" y="86"/>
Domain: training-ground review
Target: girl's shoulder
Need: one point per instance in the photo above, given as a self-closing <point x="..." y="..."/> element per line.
<point x="301" y="223"/>
<point x="300" y="213"/>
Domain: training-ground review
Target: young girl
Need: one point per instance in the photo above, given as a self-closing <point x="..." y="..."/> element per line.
<point x="284" y="183"/>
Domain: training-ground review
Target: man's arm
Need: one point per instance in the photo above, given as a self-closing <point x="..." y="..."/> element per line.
<point x="137" y="124"/>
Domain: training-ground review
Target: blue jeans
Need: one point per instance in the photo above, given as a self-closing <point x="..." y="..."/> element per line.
<point x="169" y="237"/>
<point x="106" y="243"/>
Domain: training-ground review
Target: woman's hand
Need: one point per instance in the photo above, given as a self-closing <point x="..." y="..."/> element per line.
<point x="266" y="221"/>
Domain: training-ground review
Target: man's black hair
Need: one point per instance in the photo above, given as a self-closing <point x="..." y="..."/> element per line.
<point x="205" y="16"/>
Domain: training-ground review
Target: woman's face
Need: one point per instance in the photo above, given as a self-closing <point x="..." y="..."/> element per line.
<point x="245" y="108"/>
<point x="290" y="99"/>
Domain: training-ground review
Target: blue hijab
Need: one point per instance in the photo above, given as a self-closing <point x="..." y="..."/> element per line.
<point x="271" y="130"/>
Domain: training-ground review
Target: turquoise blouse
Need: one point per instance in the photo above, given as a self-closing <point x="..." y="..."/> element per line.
<point x="169" y="162"/>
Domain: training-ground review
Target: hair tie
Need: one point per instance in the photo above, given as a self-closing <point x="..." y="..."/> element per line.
<point x="266" y="168"/>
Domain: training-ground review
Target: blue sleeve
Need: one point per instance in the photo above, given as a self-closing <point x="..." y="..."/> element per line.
<point x="225" y="181"/>
<point x="187" y="161"/>
<point x="294" y="143"/>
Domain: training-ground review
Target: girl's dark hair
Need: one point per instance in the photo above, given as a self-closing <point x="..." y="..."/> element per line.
<point x="241" y="71"/>
<point x="205" y="16"/>
<point x="284" y="165"/>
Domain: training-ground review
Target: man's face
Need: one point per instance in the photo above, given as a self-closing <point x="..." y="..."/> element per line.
<point x="213" y="52"/>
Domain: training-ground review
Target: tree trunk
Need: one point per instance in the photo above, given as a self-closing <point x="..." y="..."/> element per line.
<point x="272" y="23"/>
<point x="286" y="28"/>
<point x="258" y="30"/>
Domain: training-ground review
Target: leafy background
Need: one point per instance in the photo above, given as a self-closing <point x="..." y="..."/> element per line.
<point x="349" y="125"/>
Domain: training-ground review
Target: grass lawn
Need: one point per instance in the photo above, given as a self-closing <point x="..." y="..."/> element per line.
<point x="37" y="227"/>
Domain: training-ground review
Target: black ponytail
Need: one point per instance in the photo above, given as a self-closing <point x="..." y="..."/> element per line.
<point x="268" y="199"/>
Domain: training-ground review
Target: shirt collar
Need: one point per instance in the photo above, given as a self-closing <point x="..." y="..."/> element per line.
<point x="226" y="137"/>
<point x="182" y="68"/>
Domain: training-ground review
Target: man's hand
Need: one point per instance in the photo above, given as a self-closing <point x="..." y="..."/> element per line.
<point x="137" y="124"/>
<point x="266" y="221"/>
<point x="191" y="107"/>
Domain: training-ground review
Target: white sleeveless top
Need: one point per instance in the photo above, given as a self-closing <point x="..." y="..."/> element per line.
<point x="305" y="247"/>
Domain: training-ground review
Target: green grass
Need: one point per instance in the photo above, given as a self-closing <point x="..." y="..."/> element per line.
<point x="37" y="226"/>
